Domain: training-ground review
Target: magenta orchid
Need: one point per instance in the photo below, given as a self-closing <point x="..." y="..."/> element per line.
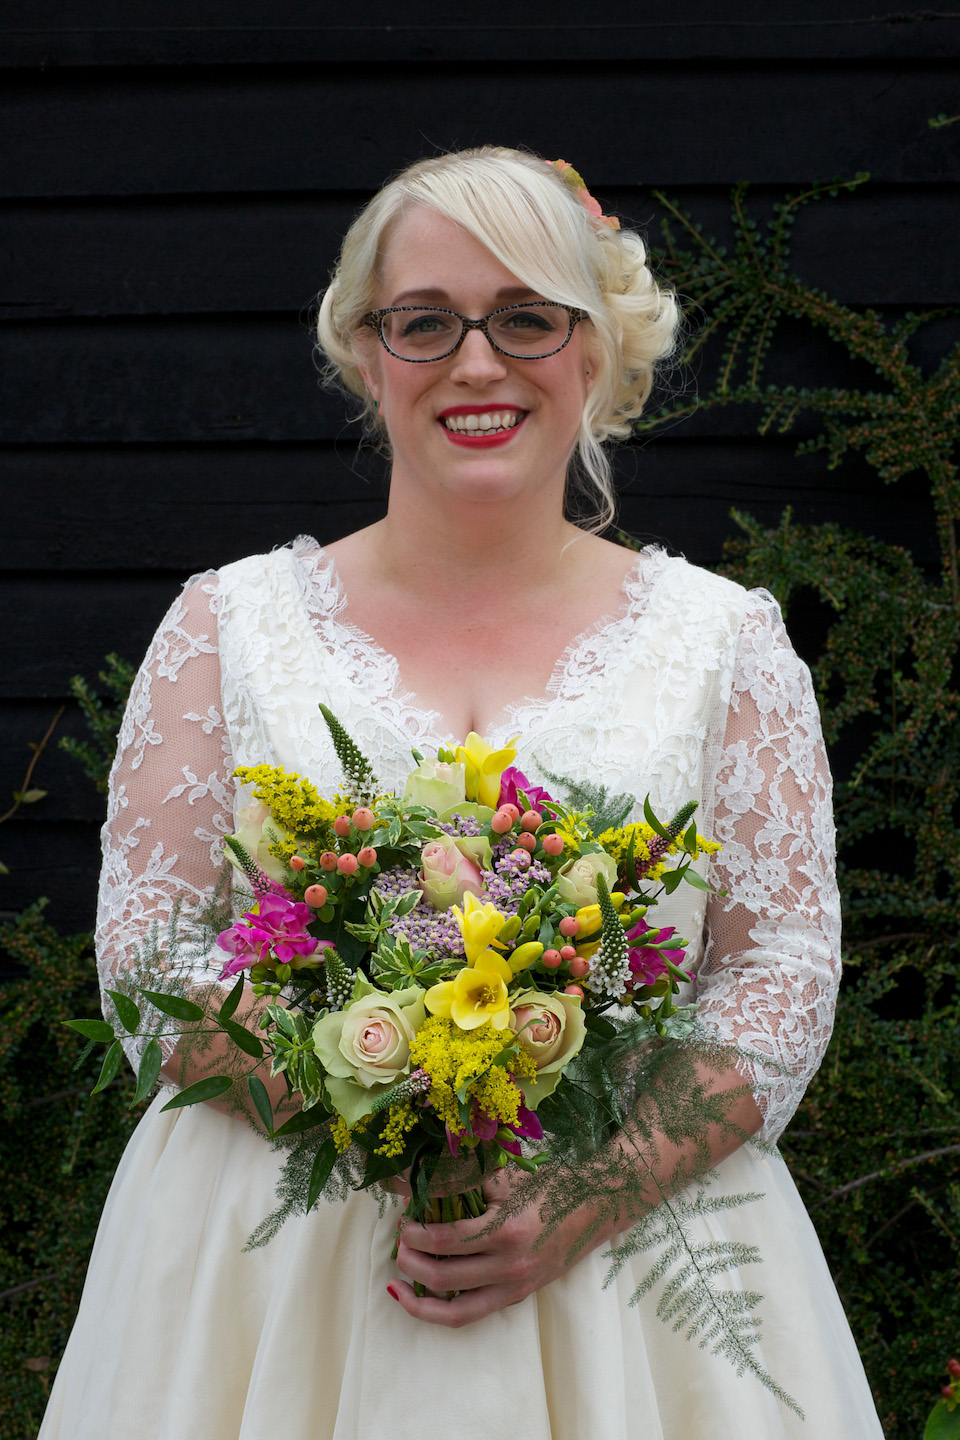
<point x="647" y="961"/>
<point x="274" y="931"/>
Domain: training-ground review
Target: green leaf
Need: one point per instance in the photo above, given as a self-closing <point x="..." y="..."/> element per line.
<point x="652" y="820"/>
<point x="174" y="1005"/>
<point x="232" y="1001"/>
<point x="323" y="1163"/>
<point x="258" y="1093"/>
<point x="694" y="878"/>
<point x="150" y="1064"/>
<point x="207" y="1089"/>
<point x="598" y="1025"/>
<point x="29" y="797"/>
<point x="97" y="1030"/>
<point x="4" y="869"/>
<point x="128" y="1012"/>
<point x="243" y="1039"/>
<point x="943" y="1424"/>
<point x="303" y="1120"/>
<point x="109" y="1068"/>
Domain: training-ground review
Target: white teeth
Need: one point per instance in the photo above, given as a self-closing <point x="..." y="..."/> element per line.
<point x="487" y="421"/>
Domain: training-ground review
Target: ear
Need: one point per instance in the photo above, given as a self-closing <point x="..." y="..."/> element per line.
<point x="367" y="375"/>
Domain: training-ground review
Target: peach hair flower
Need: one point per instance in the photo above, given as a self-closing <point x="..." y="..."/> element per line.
<point x="575" y="182"/>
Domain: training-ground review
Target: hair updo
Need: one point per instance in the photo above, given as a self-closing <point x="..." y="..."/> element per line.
<point x="526" y="215"/>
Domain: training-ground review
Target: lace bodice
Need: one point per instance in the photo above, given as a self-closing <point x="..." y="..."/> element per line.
<point x="691" y="692"/>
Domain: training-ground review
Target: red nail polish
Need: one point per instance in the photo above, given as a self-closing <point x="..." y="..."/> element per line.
<point x="391" y="1291"/>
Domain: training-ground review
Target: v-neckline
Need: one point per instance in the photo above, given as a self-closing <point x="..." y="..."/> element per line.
<point x="375" y="660"/>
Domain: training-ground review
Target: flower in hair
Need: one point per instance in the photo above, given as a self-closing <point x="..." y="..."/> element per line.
<point x="575" y="182"/>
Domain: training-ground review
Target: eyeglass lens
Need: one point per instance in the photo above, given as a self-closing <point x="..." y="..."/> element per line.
<point x="522" y="330"/>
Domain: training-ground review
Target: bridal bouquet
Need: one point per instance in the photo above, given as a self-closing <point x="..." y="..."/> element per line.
<point x="432" y="965"/>
<point x="465" y="974"/>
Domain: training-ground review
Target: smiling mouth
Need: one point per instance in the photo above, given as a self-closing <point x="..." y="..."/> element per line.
<point x="487" y="422"/>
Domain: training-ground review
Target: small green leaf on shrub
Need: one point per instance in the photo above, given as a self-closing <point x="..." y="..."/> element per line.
<point x="97" y="1030"/>
<point x="28" y="797"/>
<point x="111" y="1064"/>
<point x="127" y="1011"/>
<point x="149" y="1070"/>
<point x="207" y="1089"/>
<point x="174" y="1005"/>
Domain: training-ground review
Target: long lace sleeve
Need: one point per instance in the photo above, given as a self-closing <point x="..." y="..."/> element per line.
<point x="770" y="974"/>
<point x="170" y="796"/>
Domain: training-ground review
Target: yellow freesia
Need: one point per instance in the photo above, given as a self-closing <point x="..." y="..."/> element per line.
<point x="590" y="917"/>
<point x="483" y="767"/>
<point x="480" y="923"/>
<point x="477" y="994"/>
<point x="524" y="955"/>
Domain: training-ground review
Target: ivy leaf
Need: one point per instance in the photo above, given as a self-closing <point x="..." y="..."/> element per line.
<point x="207" y="1089"/>
<point x="174" y="1005"/>
<point x="97" y="1030"/>
<point x="232" y="1001"/>
<point x="149" y="1070"/>
<point x="127" y="1011"/>
<point x="111" y="1064"/>
<point x="323" y="1164"/>
<point x="260" y="1098"/>
<point x="243" y="1039"/>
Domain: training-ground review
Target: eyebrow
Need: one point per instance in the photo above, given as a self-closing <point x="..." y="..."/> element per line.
<point x="434" y="296"/>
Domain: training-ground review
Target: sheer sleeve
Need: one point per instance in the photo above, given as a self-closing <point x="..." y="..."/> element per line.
<point x="770" y="974"/>
<point x="170" y="796"/>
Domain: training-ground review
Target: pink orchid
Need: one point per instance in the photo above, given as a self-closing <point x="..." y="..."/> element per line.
<point x="513" y="780"/>
<point x="274" y="930"/>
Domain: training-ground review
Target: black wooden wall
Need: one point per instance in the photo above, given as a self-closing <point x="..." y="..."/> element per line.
<point x="173" y="182"/>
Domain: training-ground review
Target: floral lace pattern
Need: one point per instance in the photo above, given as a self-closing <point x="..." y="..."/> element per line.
<point x="691" y="691"/>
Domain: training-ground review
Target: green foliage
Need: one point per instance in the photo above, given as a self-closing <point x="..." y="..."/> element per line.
<point x="103" y="716"/>
<point x="875" y="1145"/>
<point x="58" y="1151"/>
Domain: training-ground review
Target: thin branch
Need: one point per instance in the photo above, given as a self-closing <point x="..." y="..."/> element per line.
<point x="37" y="752"/>
<point x="888" y="1170"/>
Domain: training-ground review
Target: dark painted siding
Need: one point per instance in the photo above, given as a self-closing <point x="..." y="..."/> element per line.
<point x="174" y="181"/>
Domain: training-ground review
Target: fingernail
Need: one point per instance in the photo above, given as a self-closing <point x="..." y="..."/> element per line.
<point x="391" y="1291"/>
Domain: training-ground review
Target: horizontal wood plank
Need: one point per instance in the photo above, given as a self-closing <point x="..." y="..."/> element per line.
<point x="67" y="34"/>
<point x="188" y="508"/>
<point x="348" y="127"/>
<point x="254" y="379"/>
<point x="254" y="254"/>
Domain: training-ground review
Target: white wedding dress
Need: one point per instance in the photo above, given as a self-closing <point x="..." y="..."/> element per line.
<point x="691" y="691"/>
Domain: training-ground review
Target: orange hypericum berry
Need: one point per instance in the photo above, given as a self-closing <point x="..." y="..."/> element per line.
<point x="367" y="856"/>
<point x="552" y="844"/>
<point x="531" y="820"/>
<point x="347" y="864"/>
<point x="363" y="818"/>
<point x="297" y="862"/>
<point x="315" y="896"/>
<point x="328" y="860"/>
<point x="341" y="826"/>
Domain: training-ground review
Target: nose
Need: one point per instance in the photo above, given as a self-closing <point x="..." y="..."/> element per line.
<point x="476" y="362"/>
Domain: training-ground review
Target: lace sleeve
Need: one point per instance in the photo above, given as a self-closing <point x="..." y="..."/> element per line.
<point x="770" y="974"/>
<point x="170" y="796"/>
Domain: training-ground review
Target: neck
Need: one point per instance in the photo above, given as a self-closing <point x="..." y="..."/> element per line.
<point x="460" y="548"/>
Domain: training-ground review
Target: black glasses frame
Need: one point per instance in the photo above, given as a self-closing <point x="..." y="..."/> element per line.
<point x="375" y="318"/>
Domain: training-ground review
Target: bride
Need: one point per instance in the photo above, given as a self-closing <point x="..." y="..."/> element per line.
<point x="496" y="328"/>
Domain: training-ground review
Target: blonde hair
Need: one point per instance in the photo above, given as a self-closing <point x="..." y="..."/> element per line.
<point x="521" y="210"/>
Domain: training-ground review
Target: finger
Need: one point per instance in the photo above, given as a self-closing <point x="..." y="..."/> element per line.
<point x="446" y="1273"/>
<point x="460" y="1237"/>
<point x="462" y="1310"/>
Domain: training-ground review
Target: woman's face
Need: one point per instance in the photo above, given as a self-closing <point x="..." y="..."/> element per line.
<point x="534" y="405"/>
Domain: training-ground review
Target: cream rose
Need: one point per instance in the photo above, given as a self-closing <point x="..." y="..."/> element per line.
<point x="437" y="784"/>
<point x="550" y="1027"/>
<point x="577" y="880"/>
<point x="447" y="873"/>
<point x="365" y="1048"/>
